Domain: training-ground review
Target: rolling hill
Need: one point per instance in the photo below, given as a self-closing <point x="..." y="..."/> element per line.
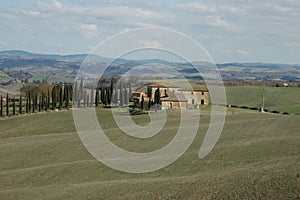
<point x="66" y="66"/>
<point x="257" y="157"/>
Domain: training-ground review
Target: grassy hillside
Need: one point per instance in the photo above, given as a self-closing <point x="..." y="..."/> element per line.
<point x="276" y="98"/>
<point x="12" y="89"/>
<point x="257" y="156"/>
<point x="3" y="74"/>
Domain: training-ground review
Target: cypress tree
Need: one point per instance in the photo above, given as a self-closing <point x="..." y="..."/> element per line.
<point x="102" y="95"/>
<point x="48" y="100"/>
<point x="97" y="97"/>
<point x="66" y="96"/>
<point x="70" y="93"/>
<point x="92" y="97"/>
<point x="78" y="102"/>
<point x="75" y="91"/>
<point x="36" y="101"/>
<point x="29" y="101"/>
<point x="107" y="96"/>
<point x="27" y="104"/>
<point x="115" y="95"/>
<point x="69" y="96"/>
<point x="20" y="105"/>
<point x="33" y="102"/>
<point x="126" y="100"/>
<point x="142" y="102"/>
<point x="84" y="99"/>
<point x="43" y="101"/>
<point x="14" y="105"/>
<point x="7" y="106"/>
<point x="87" y="100"/>
<point x="157" y="98"/>
<point x="60" y="96"/>
<point x="149" y="103"/>
<point x="54" y="97"/>
<point x="111" y="90"/>
<point x="1" y="107"/>
<point x="81" y="90"/>
<point x="130" y="90"/>
<point x="40" y="102"/>
<point x="121" y="97"/>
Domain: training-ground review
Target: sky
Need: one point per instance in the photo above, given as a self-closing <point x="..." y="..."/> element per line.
<point x="229" y="30"/>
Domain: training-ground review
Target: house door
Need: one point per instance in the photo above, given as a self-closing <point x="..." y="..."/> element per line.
<point x="202" y="102"/>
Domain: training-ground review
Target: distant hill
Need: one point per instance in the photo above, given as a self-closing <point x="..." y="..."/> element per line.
<point x="258" y="65"/>
<point x="73" y="57"/>
<point x="66" y="66"/>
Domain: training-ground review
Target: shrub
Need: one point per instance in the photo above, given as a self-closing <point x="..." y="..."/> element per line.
<point x="244" y="107"/>
<point x="275" y="112"/>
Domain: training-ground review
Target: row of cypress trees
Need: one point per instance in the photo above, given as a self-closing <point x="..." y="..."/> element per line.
<point x="106" y="93"/>
<point x="44" y="97"/>
<point x="37" y="98"/>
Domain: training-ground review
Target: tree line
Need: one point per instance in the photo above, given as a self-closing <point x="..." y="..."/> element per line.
<point x="38" y="97"/>
<point x="275" y="83"/>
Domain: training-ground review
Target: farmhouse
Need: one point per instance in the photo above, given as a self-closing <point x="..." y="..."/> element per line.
<point x="163" y="87"/>
<point x="173" y="97"/>
<point x="196" y="96"/>
<point x="174" y="101"/>
<point x="136" y="97"/>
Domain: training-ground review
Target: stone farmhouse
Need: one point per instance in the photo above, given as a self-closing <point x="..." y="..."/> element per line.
<point x="173" y="97"/>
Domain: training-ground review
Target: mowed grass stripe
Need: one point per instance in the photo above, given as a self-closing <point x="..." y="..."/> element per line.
<point x="202" y="184"/>
<point x="257" y="154"/>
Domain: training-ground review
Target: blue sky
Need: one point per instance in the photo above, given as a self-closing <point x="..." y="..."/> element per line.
<point x="230" y="30"/>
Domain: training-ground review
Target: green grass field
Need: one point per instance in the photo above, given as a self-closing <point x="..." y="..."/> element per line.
<point x="3" y="74"/>
<point x="257" y="157"/>
<point x="12" y="89"/>
<point x="39" y="77"/>
<point x="276" y="98"/>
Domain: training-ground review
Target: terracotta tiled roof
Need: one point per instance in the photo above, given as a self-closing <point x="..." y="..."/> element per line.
<point x="174" y="97"/>
<point x="162" y="85"/>
<point x="137" y="92"/>
<point x="194" y="89"/>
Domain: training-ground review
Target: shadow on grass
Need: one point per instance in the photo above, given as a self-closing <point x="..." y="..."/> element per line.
<point x="137" y="112"/>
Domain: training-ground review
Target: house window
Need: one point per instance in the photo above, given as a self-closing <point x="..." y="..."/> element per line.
<point x="202" y="93"/>
<point x="192" y="92"/>
<point x="193" y="101"/>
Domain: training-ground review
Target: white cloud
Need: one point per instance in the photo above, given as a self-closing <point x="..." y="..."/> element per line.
<point x="149" y="43"/>
<point x="194" y="6"/>
<point x="54" y="5"/>
<point x="218" y="21"/>
<point x="89" y="30"/>
<point x="293" y="45"/>
<point x="31" y="13"/>
<point x="233" y="9"/>
<point x="3" y="43"/>
<point x="218" y="24"/>
<point x="242" y="52"/>
<point x="8" y="16"/>
<point x="284" y="9"/>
